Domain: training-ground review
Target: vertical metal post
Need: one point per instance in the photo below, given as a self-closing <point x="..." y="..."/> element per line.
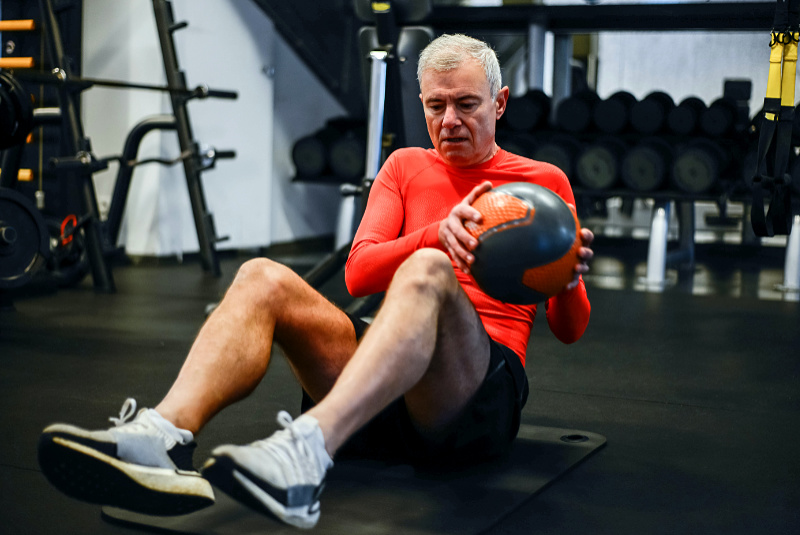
<point x="203" y="220"/>
<point x="685" y="211"/>
<point x="77" y="142"/>
<point x="377" y="99"/>
<point x="562" y="70"/>
<point x="536" y="45"/>
<point x="348" y="215"/>
<point x="657" y="247"/>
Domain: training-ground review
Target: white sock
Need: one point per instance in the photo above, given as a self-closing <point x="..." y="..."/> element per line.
<point x="174" y="434"/>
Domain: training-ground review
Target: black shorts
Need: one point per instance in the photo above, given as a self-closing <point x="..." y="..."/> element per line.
<point x="485" y="428"/>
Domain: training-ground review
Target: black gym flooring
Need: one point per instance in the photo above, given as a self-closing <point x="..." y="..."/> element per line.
<point x="696" y="390"/>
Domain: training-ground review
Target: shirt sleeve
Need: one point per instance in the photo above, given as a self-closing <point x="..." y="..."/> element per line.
<point x="568" y="312"/>
<point x="378" y="249"/>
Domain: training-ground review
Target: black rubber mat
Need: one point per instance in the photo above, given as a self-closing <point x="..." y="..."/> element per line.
<point x="364" y="497"/>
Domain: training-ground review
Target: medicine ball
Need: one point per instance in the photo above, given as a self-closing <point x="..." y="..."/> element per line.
<point x="527" y="244"/>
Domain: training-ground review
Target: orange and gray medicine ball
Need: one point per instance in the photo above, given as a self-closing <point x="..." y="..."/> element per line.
<point x="527" y="244"/>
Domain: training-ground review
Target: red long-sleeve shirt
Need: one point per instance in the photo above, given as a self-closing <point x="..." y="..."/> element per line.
<point x="412" y="193"/>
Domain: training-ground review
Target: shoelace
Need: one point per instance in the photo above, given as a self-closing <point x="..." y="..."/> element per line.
<point x="286" y="443"/>
<point x="127" y="417"/>
<point x="126" y="414"/>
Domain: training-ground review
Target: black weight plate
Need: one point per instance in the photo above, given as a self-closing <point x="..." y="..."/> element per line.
<point x="20" y="259"/>
<point x="19" y="101"/>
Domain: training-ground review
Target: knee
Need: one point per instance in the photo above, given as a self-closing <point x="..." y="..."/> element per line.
<point x="427" y="271"/>
<point x="263" y="280"/>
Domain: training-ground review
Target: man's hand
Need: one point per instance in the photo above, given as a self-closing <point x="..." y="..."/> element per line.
<point x="585" y="254"/>
<point x="452" y="234"/>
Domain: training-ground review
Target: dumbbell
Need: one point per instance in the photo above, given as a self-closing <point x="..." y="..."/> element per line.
<point x="612" y="115"/>
<point x="646" y="166"/>
<point x="598" y="163"/>
<point x="684" y="118"/>
<point x="649" y="115"/>
<point x="527" y="112"/>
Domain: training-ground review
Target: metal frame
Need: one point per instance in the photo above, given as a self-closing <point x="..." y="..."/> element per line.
<point x="203" y="220"/>
<point x="76" y="140"/>
<point x="721" y="16"/>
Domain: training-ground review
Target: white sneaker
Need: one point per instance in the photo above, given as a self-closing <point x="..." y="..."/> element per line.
<point x="143" y="464"/>
<point x="281" y="476"/>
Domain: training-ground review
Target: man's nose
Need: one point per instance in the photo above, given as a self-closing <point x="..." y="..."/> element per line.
<point x="451" y="118"/>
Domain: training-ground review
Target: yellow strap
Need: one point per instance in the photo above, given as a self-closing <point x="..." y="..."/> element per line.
<point x="789" y="72"/>
<point x="775" y="60"/>
<point x="380" y="6"/>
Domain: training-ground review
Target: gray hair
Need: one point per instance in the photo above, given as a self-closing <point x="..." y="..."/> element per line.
<point x="449" y="51"/>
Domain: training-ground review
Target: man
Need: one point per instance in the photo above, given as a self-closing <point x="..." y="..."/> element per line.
<point x="438" y="375"/>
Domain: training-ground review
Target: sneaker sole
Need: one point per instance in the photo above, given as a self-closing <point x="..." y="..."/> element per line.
<point x="237" y="482"/>
<point x="88" y="475"/>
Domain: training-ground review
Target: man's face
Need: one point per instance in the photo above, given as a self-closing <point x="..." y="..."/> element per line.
<point x="461" y="113"/>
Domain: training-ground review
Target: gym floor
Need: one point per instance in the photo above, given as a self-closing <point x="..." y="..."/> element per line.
<point x="695" y="389"/>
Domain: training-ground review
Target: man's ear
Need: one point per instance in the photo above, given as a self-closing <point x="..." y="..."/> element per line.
<point x="501" y="101"/>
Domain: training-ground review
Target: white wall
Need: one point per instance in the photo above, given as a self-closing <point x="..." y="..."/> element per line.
<point x="682" y="63"/>
<point x="228" y="45"/>
<point x="302" y="106"/>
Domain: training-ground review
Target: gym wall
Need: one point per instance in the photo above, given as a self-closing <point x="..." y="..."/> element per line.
<point x="682" y="64"/>
<point x="227" y="45"/>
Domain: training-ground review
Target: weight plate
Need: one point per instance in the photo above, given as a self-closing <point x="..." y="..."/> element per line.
<point x="20" y="122"/>
<point x="23" y="239"/>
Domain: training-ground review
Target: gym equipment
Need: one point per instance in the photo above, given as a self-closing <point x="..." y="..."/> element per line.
<point x="684" y="118"/>
<point x="776" y="126"/>
<point x="403" y="499"/>
<point x="58" y="77"/>
<point x="698" y="165"/>
<point x="348" y="155"/>
<point x="599" y="162"/>
<point x="24" y="239"/>
<point x="649" y="115"/>
<point x="646" y="166"/>
<point x="338" y="149"/>
<point x="527" y="244"/>
<point x="99" y="239"/>
<point x="310" y="153"/>
<point x="719" y="118"/>
<point x="559" y="150"/>
<point x="203" y="219"/>
<point x="612" y="115"/>
<point x="527" y="112"/>
<point x="574" y="114"/>
<point x="390" y="69"/>
<point x="520" y="143"/>
<point x="16" y="112"/>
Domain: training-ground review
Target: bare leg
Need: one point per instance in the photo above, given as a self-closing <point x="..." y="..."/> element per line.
<point x="427" y="343"/>
<point x="267" y="302"/>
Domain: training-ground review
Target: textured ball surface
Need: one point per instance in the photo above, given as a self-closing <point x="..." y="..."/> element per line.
<point x="527" y="244"/>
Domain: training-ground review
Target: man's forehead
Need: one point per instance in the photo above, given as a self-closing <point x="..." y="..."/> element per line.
<point x="469" y="78"/>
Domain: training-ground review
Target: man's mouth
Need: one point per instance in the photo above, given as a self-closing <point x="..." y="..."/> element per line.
<point x="455" y="140"/>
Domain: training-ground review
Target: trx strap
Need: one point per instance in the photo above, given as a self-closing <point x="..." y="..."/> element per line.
<point x="776" y="125"/>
